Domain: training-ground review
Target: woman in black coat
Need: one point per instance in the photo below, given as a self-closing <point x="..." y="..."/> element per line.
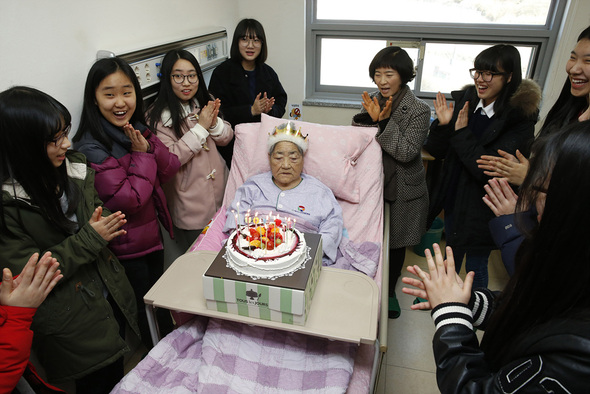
<point x="498" y="112"/>
<point x="245" y="84"/>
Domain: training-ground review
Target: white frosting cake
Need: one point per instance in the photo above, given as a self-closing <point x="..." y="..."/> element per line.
<point x="259" y="262"/>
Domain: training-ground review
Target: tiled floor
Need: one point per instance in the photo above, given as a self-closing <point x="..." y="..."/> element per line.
<point x="409" y="366"/>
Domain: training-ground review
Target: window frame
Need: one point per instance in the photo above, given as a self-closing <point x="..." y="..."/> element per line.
<point x="543" y="38"/>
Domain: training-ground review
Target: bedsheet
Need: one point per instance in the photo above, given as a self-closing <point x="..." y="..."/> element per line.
<point x="265" y="360"/>
<point x="219" y="356"/>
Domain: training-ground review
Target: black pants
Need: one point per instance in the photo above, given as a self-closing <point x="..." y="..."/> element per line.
<point x="143" y="272"/>
<point x="396" y="263"/>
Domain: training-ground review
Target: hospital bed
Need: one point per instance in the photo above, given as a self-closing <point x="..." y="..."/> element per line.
<point x="195" y="355"/>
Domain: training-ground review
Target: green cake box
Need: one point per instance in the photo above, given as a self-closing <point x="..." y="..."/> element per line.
<point x="286" y="299"/>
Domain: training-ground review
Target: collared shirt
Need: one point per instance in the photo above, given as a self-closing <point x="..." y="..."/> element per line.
<point x="488" y="110"/>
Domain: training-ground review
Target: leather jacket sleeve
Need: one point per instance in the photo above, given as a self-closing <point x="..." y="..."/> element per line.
<point x="550" y="359"/>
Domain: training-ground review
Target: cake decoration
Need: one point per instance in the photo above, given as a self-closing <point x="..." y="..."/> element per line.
<point x="266" y="248"/>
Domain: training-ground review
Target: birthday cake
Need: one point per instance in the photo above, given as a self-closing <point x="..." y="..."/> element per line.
<point x="266" y="250"/>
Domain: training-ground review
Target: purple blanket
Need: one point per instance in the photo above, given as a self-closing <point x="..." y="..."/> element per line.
<point x="220" y="356"/>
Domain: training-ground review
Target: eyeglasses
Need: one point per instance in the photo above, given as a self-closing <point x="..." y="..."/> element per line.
<point x="487" y="76"/>
<point x="61" y="136"/>
<point x="256" y="42"/>
<point x="179" y="78"/>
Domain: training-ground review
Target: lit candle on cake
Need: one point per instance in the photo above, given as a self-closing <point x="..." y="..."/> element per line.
<point x="236" y="218"/>
<point x="238" y="214"/>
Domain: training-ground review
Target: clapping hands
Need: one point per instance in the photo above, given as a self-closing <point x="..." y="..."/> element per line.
<point x="108" y="227"/>
<point x="209" y="113"/>
<point x="512" y="168"/>
<point x="34" y="283"/>
<point x="441" y="284"/>
<point x="138" y="141"/>
<point x="262" y="104"/>
<point x="374" y="109"/>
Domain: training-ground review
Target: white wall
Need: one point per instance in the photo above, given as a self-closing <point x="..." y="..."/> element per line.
<point x="51" y="44"/>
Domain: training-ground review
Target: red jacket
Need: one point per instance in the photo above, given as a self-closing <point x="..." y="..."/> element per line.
<point x="16" y="338"/>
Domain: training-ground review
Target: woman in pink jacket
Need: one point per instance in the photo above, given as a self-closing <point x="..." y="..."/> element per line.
<point x="131" y="164"/>
<point x="186" y="118"/>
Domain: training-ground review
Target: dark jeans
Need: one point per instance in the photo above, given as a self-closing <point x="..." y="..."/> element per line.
<point x="143" y="272"/>
<point x="476" y="261"/>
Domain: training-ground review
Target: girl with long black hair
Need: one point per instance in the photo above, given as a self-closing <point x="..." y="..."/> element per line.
<point x="49" y="203"/>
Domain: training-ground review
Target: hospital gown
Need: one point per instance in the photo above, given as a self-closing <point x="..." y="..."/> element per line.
<point x="311" y="203"/>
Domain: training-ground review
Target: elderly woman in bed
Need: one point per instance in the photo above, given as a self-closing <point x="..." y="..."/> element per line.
<point x="286" y="191"/>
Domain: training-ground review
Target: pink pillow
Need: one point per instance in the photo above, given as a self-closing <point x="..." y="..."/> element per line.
<point x="331" y="156"/>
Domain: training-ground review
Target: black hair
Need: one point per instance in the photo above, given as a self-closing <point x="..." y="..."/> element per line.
<point x="556" y="258"/>
<point x="395" y="58"/>
<point x="168" y="100"/>
<point x="248" y="28"/>
<point x="567" y="108"/>
<point x="90" y="119"/>
<point x="29" y="120"/>
<point x="506" y="59"/>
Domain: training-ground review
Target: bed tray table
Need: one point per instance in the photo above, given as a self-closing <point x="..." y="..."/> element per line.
<point x="344" y="307"/>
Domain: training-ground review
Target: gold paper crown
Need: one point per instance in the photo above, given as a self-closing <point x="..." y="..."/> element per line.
<point x="287" y="132"/>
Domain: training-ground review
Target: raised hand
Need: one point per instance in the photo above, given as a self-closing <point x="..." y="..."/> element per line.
<point x="208" y="114"/>
<point x="462" y="117"/>
<point x="444" y="112"/>
<point x="441" y="284"/>
<point x="138" y="142"/>
<point x="500" y="197"/>
<point x="34" y="283"/>
<point x="374" y="109"/>
<point x="262" y="104"/>
<point x="108" y="227"/>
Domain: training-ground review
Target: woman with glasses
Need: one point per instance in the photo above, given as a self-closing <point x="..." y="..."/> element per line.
<point x="186" y="118"/>
<point x="498" y="112"/>
<point x="49" y="203"/>
<point x="245" y="84"/>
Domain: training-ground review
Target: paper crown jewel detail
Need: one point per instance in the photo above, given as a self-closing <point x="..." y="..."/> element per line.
<point x="287" y="132"/>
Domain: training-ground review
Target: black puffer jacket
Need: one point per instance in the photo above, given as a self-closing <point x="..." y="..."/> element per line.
<point x="551" y="358"/>
<point x="460" y="149"/>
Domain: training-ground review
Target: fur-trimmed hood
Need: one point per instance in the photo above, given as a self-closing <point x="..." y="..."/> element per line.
<point x="526" y="99"/>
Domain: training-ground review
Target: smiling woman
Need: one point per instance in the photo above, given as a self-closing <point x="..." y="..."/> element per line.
<point x="402" y="120"/>
<point x="498" y="112"/>
<point x="131" y="164"/>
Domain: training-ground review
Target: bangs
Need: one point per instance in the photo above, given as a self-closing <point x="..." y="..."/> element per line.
<point x="487" y="62"/>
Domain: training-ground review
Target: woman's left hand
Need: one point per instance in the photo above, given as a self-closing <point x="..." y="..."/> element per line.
<point x="442" y="284"/>
<point x="138" y="141"/>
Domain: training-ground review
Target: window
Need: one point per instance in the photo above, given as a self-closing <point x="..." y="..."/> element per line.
<point x="441" y="36"/>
